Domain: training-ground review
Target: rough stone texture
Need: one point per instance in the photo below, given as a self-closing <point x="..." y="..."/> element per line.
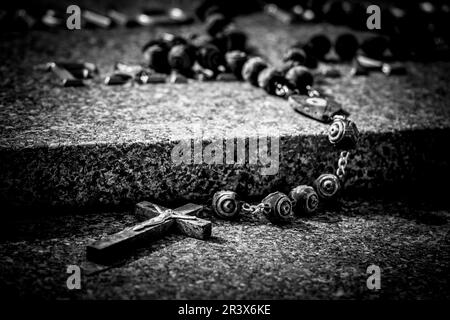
<point x="100" y="145"/>
<point x="323" y="256"/>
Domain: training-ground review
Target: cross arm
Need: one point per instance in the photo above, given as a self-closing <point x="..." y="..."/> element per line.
<point x="196" y="228"/>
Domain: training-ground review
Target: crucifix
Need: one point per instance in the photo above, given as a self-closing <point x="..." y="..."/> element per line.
<point x="160" y="221"/>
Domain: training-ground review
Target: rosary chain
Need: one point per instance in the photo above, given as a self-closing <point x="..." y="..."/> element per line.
<point x="248" y="208"/>
<point x="342" y="164"/>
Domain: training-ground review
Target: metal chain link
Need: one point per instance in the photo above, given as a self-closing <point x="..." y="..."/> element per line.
<point x="248" y="208"/>
<point x="342" y="164"/>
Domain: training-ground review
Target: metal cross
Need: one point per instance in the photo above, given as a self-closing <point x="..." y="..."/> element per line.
<point x="159" y="221"/>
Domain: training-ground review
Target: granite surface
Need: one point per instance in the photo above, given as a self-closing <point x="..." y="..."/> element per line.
<point x="324" y="256"/>
<point x="100" y="145"/>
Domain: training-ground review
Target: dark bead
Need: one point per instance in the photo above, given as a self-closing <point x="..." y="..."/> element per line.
<point x="269" y="78"/>
<point x="305" y="199"/>
<point x="300" y="78"/>
<point x="226" y="204"/>
<point x="374" y="47"/>
<point x="335" y="12"/>
<point x="318" y="46"/>
<point x="156" y="58"/>
<point x="235" y="61"/>
<point x="278" y="207"/>
<point x="216" y="23"/>
<point x="252" y="68"/>
<point x="357" y="16"/>
<point x="295" y="54"/>
<point x="311" y="62"/>
<point x="343" y="133"/>
<point x="327" y="186"/>
<point x="220" y="41"/>
<point x="181" y="58"/>
<point x="209" y="57"/>
<point x="235" y="40"/>
<point x="346" y="46"/>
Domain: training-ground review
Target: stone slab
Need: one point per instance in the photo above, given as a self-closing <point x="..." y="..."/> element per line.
<point x="102" y="146"/>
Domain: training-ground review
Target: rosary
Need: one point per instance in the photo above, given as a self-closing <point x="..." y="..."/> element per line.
<point x="222" y="55"/>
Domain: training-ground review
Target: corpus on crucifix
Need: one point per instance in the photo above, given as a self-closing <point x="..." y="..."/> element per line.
<point x="160" y="221"/>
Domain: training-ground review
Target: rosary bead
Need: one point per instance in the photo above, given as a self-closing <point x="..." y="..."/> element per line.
<point x="346" y="46"/>
<point x="226" y="205"/>
<point x="235" y="61"/>
<point x="311" y="62"/>
<point x="252" y="68"/>
<point x="269" y="78"/>
<point x="343" y="133"/>
<point x="235" y="40"/>
<point x="216" y="23"/>
<point x="327" y="186"/>
<point x="209" y="57"/>
<point x="374" y="47"/>
<point x="336" y="12"/>
<point x="181" y="58"/>
<point x="295" y="54"/>
<point x="356" y="18"/>
<point x="278" y="207"/>
<point x="305" y="199"/>
<point x="318" y="46"/>
<point x="156" y="58"/>
<point x="300" y="77"/>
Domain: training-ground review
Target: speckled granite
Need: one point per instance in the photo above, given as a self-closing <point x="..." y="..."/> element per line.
<point x="102" y="145"/>
<point x="319" y="257"/>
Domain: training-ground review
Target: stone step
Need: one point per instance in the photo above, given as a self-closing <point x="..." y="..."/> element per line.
<point x="107" y="146"/>
<point x="324" y="256"/>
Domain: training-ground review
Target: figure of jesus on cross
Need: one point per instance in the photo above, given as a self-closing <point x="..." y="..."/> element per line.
<point x="160" y="220"/>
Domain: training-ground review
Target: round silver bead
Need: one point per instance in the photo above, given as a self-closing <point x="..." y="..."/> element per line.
<point x="327" y="186"/>
<point x="305" y="199"/>
<point x="278" y="207"/>
<point x="226" y="205"/>
<point x="343" y="133"/>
